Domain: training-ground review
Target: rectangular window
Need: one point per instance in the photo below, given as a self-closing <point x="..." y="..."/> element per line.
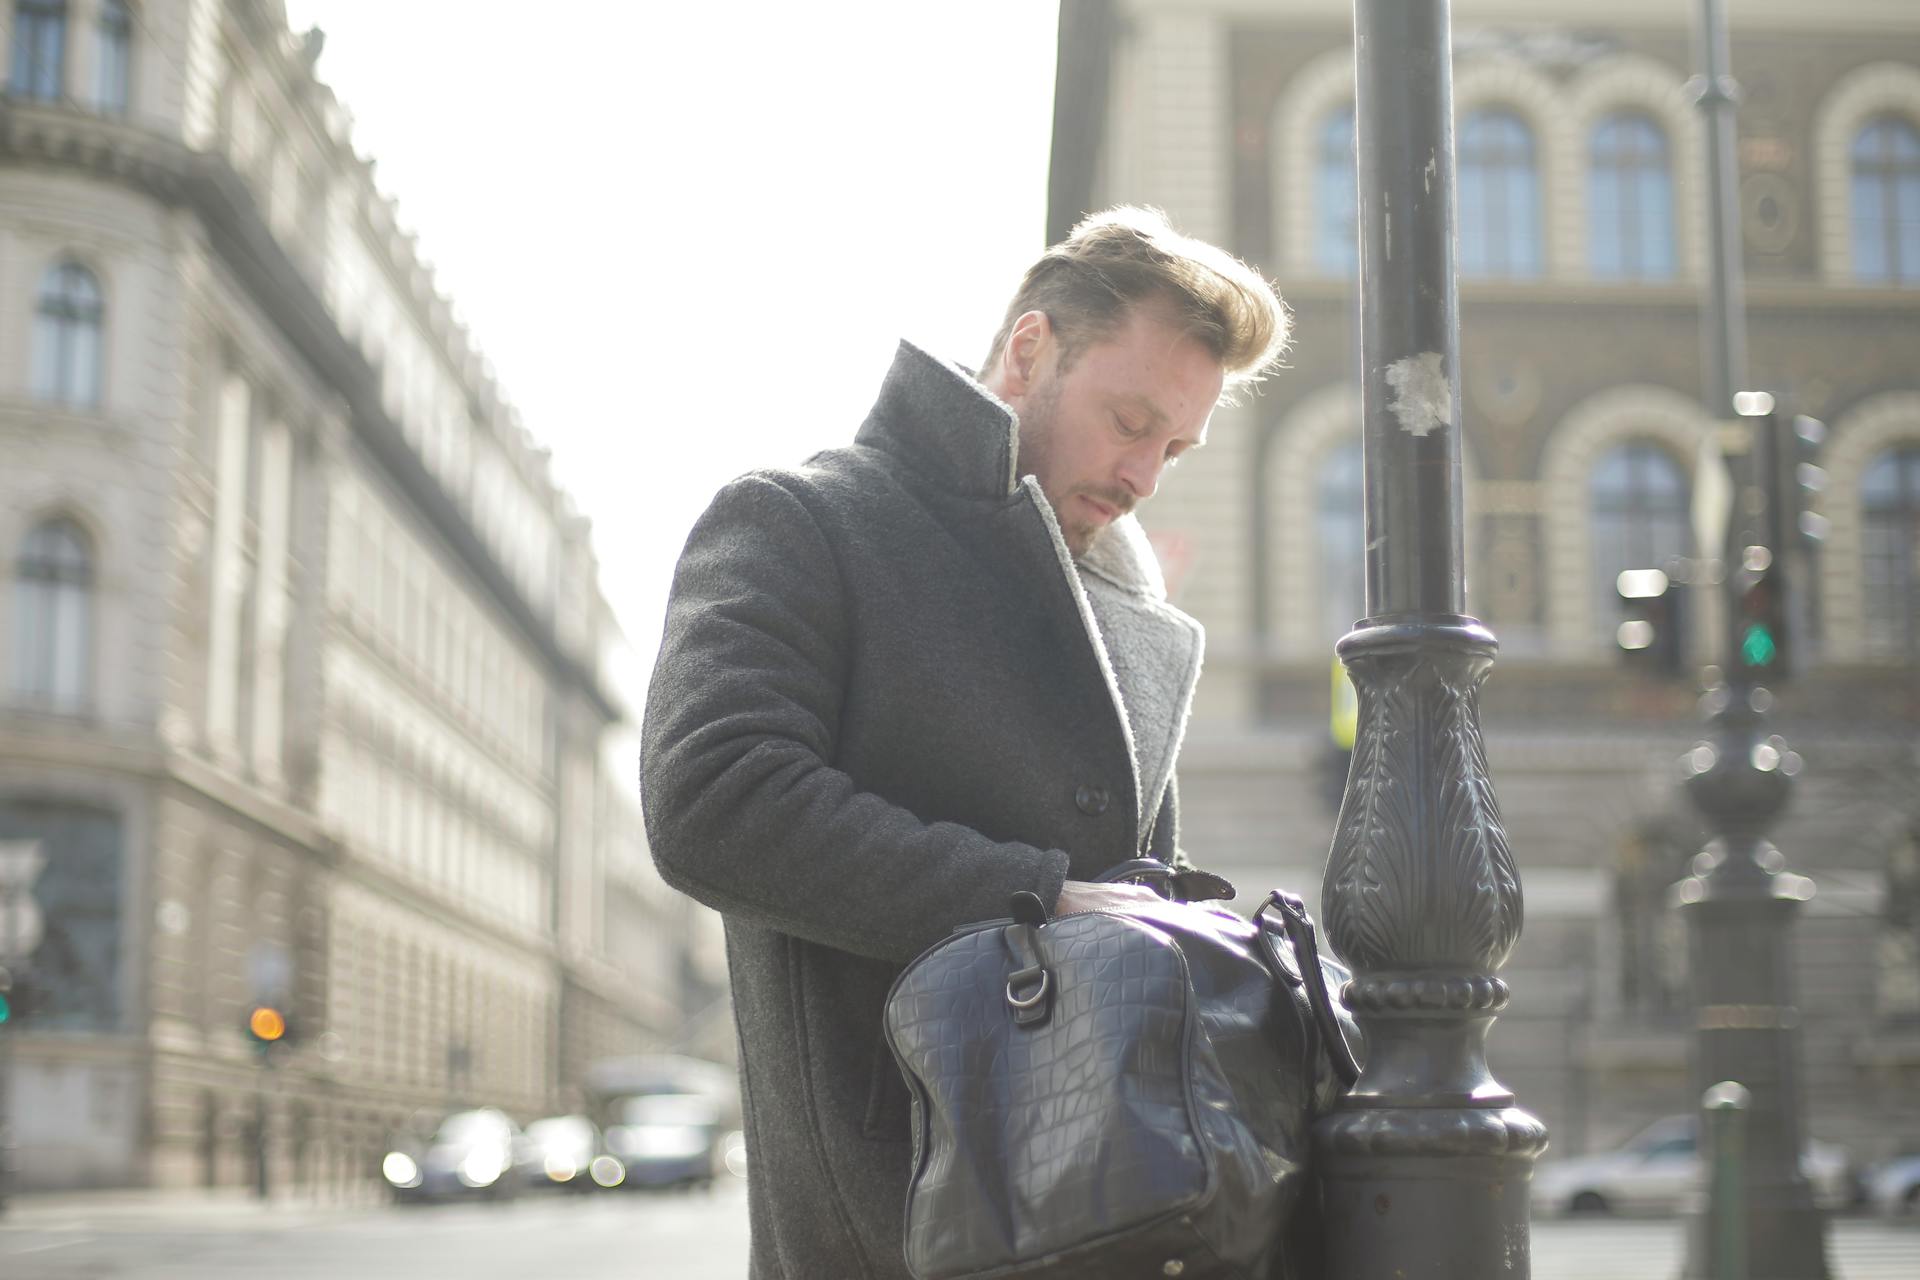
<point x="274" y="606"/>
<point x="243" y="126"/>
<point x="233" y="430"/>
<point x="390" y="590"/>
<point x="111" y="64"/>
<point x="39" y="49"/>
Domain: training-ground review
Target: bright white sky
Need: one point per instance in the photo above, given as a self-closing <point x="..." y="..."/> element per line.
<point x="689" y="235"/>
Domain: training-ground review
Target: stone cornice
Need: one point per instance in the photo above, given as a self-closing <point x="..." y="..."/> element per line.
<point x="1755" y="16"/>
<point x="115" y="151"/>
<point x="1674" y="295"/>
<point x="104" y="146"/>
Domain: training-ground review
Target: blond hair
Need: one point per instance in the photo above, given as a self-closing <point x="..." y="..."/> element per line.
<point x="1088" y="284"/>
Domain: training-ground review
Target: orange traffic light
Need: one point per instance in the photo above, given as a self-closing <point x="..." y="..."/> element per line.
<point x="267" y="1024"/>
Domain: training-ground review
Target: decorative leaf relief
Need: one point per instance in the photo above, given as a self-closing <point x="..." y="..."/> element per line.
<point x="1476" y="863"/>
<point x="1374" y="869"/>
<point x="1421" y="872"/>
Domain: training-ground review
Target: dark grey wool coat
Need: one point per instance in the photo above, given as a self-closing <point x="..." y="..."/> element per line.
<point x="885" y="701"/>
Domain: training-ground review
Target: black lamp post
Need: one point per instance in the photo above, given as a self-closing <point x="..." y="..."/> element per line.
<point x="1740" y="902"/>
<point x="1427" y="1162"/>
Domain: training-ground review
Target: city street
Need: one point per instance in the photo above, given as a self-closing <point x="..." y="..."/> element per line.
<point x="685" y="1236"/>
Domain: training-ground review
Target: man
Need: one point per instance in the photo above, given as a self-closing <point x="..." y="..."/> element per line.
<point x="926" y="671"/>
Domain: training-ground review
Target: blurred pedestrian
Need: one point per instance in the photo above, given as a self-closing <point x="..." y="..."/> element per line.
<point x="928" y="670"/>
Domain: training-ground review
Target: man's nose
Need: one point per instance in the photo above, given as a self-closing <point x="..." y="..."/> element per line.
<point x="1140" y="471"/>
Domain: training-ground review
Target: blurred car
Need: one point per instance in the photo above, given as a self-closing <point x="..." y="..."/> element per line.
<point x="567" y="1153"/>
<point x="1656" y="1169"/>
<point x="666" y="1139"/>
<point x="471" y="1155"/>
<point x="733" y="1153"/>
<point x="9" y="1167"/>
<point x="1893" y="1188"/>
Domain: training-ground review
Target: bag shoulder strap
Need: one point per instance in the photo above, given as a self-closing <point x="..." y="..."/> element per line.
<point x="1306" y="950"/>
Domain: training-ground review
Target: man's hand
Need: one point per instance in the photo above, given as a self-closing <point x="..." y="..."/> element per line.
<point x="1085" y="895"/>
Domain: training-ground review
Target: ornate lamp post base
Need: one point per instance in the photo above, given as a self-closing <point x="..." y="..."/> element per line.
<point x="1427" y="1162"/>
<point x="1739" y="905"/>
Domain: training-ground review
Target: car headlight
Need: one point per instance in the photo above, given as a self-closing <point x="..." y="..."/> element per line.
<point x="607" y="1171"/>
<point x="400" y="1170"/>
<point x="481" y="1169"/>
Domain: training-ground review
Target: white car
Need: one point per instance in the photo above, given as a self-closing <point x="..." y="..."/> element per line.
<point x="1656" y="1169"/>
<point x="1894" y="1187"/>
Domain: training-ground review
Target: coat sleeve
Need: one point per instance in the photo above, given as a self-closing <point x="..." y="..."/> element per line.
<point x="744" y="809"/>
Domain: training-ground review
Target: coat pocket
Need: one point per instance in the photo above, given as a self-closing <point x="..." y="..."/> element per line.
<point x="889" y="1105"/>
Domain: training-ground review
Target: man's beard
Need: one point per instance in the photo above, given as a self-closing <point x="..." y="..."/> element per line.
<point x="1037" y="423"/>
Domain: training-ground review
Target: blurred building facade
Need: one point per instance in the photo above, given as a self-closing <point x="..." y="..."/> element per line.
<point x="1582" y="257"/>
<point x="311" y="697"/>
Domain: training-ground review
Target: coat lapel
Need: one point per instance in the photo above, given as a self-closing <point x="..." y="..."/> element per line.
<point x="1153" y="649"/>
<point x="940" y="420"/>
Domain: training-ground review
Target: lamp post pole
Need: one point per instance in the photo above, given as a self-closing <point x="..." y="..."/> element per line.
<point x="1740" y="901"/>
<point x="1427" y="1161"/>
<point x="1724" y="322"/>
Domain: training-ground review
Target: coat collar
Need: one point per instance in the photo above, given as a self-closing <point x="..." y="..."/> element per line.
<point x="1122" y="555"/>
<point x="937" y="418"/>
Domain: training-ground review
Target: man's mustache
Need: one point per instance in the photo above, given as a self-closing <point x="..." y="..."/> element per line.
<point x="1122" y="502"/>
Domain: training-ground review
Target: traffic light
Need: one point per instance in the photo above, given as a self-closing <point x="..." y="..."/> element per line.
<point x="1760" y="634"/>
<point x="266" y="1027"/>
<point x="1802" y="479"/>
<point x="1336" y="759"/>
<point x="1651" y="634"/>
<point x="6" y="995"/>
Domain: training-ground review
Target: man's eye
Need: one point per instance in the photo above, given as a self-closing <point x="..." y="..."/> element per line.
<point x="1126" y="432"/>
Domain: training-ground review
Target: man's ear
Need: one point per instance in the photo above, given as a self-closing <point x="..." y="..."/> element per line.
<point x="1028" y="345"/>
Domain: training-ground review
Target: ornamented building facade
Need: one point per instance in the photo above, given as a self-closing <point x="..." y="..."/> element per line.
<point x="308" y="695"/>
<point x="1582" y="242"/>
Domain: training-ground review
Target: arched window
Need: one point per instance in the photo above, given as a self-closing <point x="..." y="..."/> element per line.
<point x="1339" y="530"/>
<point x="1886" y="201"/>
<point x="1336" y="237"/>
<point x="39" y="49"/>
<point x="1640" y="506"/>
<point x="1629" y="200"/>
<point x="1499" y="196"/>
<point x="1890" y="551"/>
<point x="52" y="607"/>
<point x="113" y="33"/>
<point x="66" y="339"/>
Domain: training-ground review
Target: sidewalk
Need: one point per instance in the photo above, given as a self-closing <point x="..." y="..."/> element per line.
<point x="40" y="1209"/>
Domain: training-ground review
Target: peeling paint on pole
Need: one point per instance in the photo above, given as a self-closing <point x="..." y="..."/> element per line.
<point x="1422" y="396"/>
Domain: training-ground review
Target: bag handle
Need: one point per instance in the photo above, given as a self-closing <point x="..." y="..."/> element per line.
<point x="1306" y="951"/>
<point x="1169" y="881"/>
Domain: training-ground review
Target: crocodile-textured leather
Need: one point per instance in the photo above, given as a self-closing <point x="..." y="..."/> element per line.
<point x="1159" y="1114"/>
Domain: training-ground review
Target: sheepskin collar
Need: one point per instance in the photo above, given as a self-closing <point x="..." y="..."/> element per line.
<point x="1122" y="555"/>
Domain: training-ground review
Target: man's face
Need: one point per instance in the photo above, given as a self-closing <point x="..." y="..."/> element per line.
<point x="1098" y="436"/>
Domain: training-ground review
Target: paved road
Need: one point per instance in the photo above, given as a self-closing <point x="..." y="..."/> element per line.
<point x="685" y="1235"/>
<point x="688" y="1236"/>
<point x="1654" y="1248"/>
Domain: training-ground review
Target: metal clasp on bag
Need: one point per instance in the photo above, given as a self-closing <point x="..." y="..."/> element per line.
<point x="1030" y="987"/>
<point x="1029" y="1009"/>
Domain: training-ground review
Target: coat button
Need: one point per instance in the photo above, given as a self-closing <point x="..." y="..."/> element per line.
<point x="1092" y="800"/>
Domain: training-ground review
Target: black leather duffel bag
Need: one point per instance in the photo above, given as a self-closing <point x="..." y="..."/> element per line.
<point x="1118" y="1094"/>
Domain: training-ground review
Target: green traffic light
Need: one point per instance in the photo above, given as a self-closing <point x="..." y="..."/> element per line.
<point x="6" y="1009"/>
<point x="1757" y="647"/>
